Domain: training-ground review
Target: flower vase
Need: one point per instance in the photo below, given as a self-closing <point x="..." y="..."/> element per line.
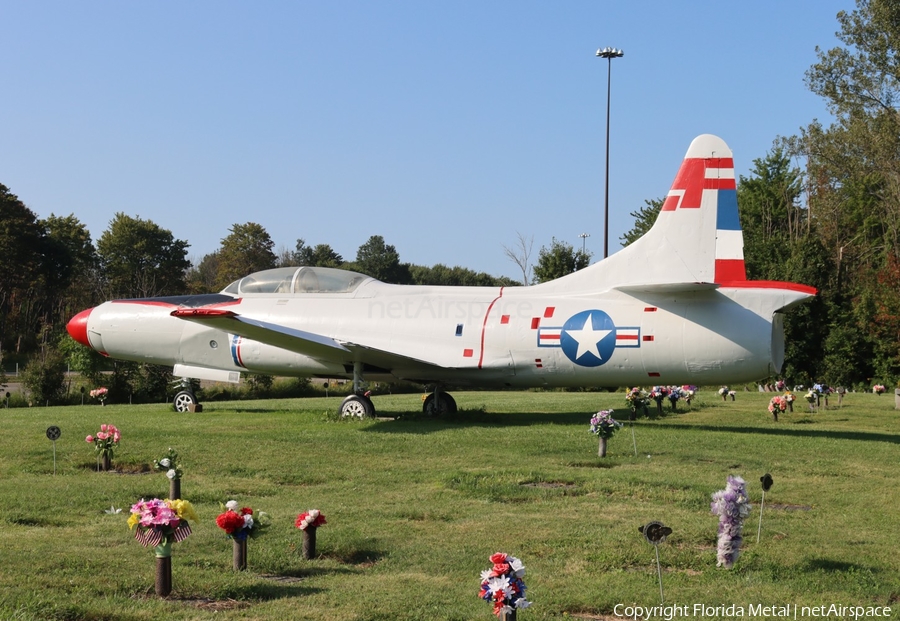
<point x="309" y="542"/>
<point x="106" y="462"/>
<point x="508" y="614"/>
<point x="790" y="406"/>
<point x="240" y="554"/>
<point x="601" y="452"/>
<point x="164" y="567"/>
<point x="175" y="489"/>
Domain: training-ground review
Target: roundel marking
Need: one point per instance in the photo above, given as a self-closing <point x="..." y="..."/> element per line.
<point x="588" y="338"/>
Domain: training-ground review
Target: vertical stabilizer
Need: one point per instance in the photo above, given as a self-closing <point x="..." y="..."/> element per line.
<point x="706" y="182"/>
<point x="696" y="238"/>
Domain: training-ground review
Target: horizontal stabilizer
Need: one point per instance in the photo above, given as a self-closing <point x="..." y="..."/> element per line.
<point x="668" y="287"/>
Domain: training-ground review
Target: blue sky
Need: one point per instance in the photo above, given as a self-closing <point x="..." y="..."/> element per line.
<point x="446" y="127"/>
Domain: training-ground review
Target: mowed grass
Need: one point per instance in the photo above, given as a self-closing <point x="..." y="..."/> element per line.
<point x="415" y="507"/>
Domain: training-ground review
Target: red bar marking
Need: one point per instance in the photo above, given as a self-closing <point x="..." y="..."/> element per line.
<point x="504" y="319"/>
<point x="468" y="353"/>
<point x="535" y="322"/>
<point x="202" y="312"/>
<point x="648" y="337"/>
<point x="626" y="337"/>
<point x="548" y="312"/>
<point x="649" y="309"/>
<point x="730" y="270"/>
<point x="671" y="203"/>
<point x="653" y="374"/>
<point x="550" y="337"/>
<point x="537" y="363"/>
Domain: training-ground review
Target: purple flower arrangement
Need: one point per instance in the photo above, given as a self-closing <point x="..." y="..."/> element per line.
<point x="731" y="505"/>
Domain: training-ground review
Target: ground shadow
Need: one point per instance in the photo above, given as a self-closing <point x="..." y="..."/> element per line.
<point x="862" y="436"/>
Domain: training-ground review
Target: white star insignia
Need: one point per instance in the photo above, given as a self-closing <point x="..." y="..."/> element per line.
<point x="588" y="338"/>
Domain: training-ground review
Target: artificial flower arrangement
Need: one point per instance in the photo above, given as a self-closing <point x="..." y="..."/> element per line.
<point x="160" y="522"/>
<point x="687" y="392"/>
<point x="779" y="385"/>
<point x="674" y="395"/>
<point x="100" y="394"/>
<point x="604" y="425"/>
<point x="732" y="394"/>
<point x="878" y="389"/>
<point x="169" y="464"/>
<point x="777" y="406"/>
<point x="732" y="506"/>
<point x="723" y="392"/>
<point x="637" y="399"/>
<point x="812" y="396"/>
<point x="105" y="442"/>
<point x="239" y="523"/>
<point x="312" y="518"/>
<point x="502" y="584"/>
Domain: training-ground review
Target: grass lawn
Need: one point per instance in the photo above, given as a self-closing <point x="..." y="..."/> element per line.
<point x="416" y="506"/>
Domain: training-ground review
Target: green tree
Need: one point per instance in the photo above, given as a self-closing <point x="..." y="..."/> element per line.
<point x="381" y="261"/>
<point x="770" y="215"/>
<point x="203" y="277"/>
<point x="69" y="267"/>
<point x="320" y="255"/>
<point x="247" y="249"/>
<point x="440" y="274"/>
<point x="21" y="245"/>
<point x="139" y="259"/>
<point x="559" y="260"/>
<point x="644" y="218"/>
<point x="44" y="376"/>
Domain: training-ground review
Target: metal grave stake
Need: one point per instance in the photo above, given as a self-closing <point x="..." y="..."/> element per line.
<point x="53" y="434"/>
<point x="656" y="533"/>
<point x="766" y="481"/>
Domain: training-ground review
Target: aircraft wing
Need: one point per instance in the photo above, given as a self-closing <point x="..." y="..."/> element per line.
<point x="299" y="341"/>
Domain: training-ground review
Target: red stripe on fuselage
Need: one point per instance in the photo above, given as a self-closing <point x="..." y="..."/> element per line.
<point x="484" y="326"/>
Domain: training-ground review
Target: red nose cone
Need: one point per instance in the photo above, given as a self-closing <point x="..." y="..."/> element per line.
<point x="77" y="327"/>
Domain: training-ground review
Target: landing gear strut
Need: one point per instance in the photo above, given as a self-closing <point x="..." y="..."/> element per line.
<point x="358" y="404"/>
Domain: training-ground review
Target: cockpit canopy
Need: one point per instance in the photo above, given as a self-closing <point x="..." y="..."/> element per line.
<point x="297" y="280"/>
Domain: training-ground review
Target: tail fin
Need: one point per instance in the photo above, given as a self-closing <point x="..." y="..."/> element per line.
<point x="696" y="242"/>
<point x="706" y="182"/>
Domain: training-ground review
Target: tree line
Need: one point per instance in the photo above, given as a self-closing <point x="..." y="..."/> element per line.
<point x="821" y="208"/>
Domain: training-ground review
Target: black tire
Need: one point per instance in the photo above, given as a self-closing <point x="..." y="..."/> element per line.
<point x="183" y="400"/>
<point x="443" y="404"/>
<point x="359" y="406"/>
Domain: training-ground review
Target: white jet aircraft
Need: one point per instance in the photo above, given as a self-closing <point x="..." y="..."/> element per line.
<point x="674" y="307"/>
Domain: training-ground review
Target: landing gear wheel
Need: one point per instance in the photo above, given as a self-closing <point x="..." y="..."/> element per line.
<point x="438" y="403"/>
<point x="359" y="406"/>
<point x="184" y="400"/>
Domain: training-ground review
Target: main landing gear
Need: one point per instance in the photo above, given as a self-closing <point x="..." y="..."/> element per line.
<point x="358" y="404"/>
<point x="438" y="403"/>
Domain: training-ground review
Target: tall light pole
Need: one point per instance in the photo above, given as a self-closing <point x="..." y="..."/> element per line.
<point x="583" y="237"/>
<point x="608" y="53"/>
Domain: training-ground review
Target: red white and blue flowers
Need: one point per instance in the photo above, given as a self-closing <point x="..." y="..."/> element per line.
<point x="731" y="505"/>
<point x="502" y="584"/>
